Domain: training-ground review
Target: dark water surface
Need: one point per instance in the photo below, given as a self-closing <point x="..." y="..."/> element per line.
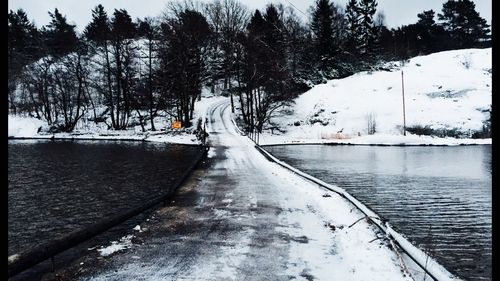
<point x="56" y="187"/>
<point x="439" y="197"/>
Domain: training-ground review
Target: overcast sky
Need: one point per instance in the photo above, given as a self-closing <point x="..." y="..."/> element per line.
<point x="397" y="12"/>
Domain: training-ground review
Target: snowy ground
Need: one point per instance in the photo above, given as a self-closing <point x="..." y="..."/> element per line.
<point x="448" y="90"/>
<point x="28" y="127"/>
<point x="249" y="219"/>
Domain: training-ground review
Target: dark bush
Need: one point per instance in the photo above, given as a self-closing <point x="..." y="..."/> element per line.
<point x="420" y="130"/>
<point x="428" y="131"/>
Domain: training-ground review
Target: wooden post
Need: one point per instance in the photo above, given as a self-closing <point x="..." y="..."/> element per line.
<point x="404" y="113"/>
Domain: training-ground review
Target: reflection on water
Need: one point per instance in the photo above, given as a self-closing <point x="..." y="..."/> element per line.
<point x="439" y="197"/>
<point x="56" y="187"/>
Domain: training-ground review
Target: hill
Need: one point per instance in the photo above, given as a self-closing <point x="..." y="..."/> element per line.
<point x="447" y="101"/>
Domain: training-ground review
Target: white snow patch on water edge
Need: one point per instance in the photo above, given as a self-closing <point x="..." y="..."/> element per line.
<point x="19" y="126"/>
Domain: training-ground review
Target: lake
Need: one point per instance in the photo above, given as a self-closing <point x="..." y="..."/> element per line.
<point x="437" y="196"/>
<point x="55" y="187"/>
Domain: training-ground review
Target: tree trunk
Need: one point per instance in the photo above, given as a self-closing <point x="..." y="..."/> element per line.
<point x="150" y="78"/>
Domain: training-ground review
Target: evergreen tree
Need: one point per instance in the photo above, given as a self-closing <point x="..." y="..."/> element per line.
<point x="264" y="75"/>
<point x="23" y="39"/>
<point x="256" y="50"/>
<point x="426" y="19"/>
<point x="322" y="28"/>
<point x="182" y="61"/>
<point x="123" y="30"/>
<point x="276" y="70"/>
<point x="98" y="30"/>
<point x="23" y="48"/>
<point x="431" y="37"/>
<point x="60" y="37"/>
<point x="367" y="29"/>
<point x="353" y="19"/>
<point x="301" y="67"/>
<point x="466" y="27"/>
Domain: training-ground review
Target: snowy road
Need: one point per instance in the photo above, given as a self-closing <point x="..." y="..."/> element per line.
<point x="245" y="218"/>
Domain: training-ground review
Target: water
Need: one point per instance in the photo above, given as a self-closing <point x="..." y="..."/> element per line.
<point x="56" y="187"/>
<point x="439" y="197"/>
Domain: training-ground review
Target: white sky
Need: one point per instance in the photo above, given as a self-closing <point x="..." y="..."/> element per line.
<point x="397" y="12"/>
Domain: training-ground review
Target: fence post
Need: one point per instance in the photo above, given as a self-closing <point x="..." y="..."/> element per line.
<point x="404" y="113"/>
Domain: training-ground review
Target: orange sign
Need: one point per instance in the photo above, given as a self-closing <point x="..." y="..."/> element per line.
<point x="176" y="125"/>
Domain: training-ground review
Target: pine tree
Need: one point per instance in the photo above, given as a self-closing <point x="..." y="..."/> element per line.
<point x="322" y="28"/>
<point x="23" y="39"/>
<point x="277" y="72"/>
<point x="426" y="19"/>
<point x="256" y="49"/>
<point x="98" y="30"/>
<point x="182" y="61"/>
<point x="466" y="27"/>
<point x="367" y="29"/>
<point x="23" y="48"/>
<point x="353" y="19"/>
<point x="123" y="30"/>
<point x="297" y="46"/>
<point x="431" y="37"/>
<point x="60" y="37"/>
<point x="265" y="77"/>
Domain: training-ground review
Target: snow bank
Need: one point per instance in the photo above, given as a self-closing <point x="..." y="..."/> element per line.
<point x="28" y="127"/>
<point x="23" y="126"/>
<point x="446" y="91"/>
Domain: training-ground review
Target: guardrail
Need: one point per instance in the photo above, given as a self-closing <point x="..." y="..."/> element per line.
<point x="29" y="258"/>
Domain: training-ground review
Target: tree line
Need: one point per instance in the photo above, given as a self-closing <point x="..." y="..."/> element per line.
<point x="120" y="71"/>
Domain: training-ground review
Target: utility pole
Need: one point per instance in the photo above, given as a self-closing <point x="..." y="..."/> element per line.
<point x="404" y="113"/>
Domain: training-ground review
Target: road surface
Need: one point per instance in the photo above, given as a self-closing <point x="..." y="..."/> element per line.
<point x="241" y="217"/>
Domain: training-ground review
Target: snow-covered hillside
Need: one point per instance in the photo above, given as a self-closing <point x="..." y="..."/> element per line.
<point x="447" y="91"/>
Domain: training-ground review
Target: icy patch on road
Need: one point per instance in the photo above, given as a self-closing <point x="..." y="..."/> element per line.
<point x="124" y="243"/>
<point x="221" y="213"/>
<point x="211" y="152"/>
<point x="227" y="261"/>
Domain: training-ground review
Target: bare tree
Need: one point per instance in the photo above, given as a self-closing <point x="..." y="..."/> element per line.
<point x="149" y="29"/>
<point x="227" y="18"/>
